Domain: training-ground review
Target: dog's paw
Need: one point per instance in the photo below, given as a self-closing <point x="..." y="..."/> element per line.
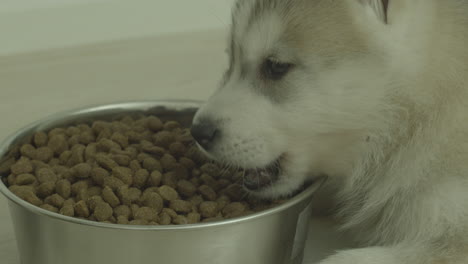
<point x="376" y="255"/>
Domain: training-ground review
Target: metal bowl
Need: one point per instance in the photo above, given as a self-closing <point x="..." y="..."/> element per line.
<point x="275" y="236"/>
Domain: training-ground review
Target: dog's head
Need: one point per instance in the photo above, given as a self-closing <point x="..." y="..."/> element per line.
<point x="300" y="93"/>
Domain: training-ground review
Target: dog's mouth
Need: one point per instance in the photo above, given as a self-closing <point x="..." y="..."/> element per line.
<point x="260" y="178"/>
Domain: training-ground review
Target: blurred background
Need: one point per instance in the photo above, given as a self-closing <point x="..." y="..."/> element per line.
<point x="31" y="25"/>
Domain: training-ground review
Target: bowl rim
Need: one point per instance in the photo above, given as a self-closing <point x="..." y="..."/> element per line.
<point x="9" y="141"/>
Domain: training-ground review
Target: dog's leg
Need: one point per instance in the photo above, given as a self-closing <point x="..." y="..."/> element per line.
<point x="398" y="255"/>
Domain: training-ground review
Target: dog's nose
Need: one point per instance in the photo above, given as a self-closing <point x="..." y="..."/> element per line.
<point x="205" y="133"/>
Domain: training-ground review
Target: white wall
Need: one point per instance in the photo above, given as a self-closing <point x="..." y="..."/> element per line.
<point x="31" y="25"/>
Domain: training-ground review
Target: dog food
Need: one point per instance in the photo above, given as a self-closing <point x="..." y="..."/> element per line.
<point x="140" y="171"/>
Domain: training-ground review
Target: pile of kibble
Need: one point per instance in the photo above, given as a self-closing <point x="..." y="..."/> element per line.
<point x="139" y="171"/>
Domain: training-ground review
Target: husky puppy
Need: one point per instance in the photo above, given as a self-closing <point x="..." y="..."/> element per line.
<point x="372" y="93"/>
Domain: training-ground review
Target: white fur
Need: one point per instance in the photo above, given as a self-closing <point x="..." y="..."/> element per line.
<point x="379" y="107"/>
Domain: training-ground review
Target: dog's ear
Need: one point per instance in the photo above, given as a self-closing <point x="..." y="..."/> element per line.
<point x="379" y="7"/>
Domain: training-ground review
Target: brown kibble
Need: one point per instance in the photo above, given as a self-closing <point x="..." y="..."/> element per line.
<point x="210" y="181"/>
<point x="223" y="183"/>
<point x="45" y="189"/>
<point x="82" y="195"/>
<point x="135" y="165"/>
<point x="106" y="145"/>
<point x="99" y="126"/>
<point x="196" y="173"/>
<point x="46" y="175"/>
<point x="168" y="162"/>
<point x="25" y="179"/>
<point x="122" y="160"/>
<point x="180" y="220"/>
<point x="185" y="137"/>
<point x="134" y="208"/>
<point x="196" y="200"/>
<point x="94" y="190"/>
<point x="120" y="139"/>
<point x="129" y="171"/>
<point x="103" y="211"/>
<point x="37" y="164"/>
<point x="105" y="161"/>
<point x="148" y="147"/>
<point x="142" y="156"/>
<point x="106" y="133"/>
<point x="77" y="155"/>
<point x="186" y="188"/>
<point x="171" y="125"/>
<point x="233" y="210"/>
<point x="90" y="152"/>
<point x="187" y="163"/>
<point x="26" y="193"/>
<point x="50" y="208"/>
<point x="211" y="169"/>
<point x="177" y="149"/>
<point x="122" y="210"/>
<point x="28" y="150"/>
<point x="193" y="218"/>
<point x="113" y="182"/>
<point x="235" y="192"/>
<point x="109" y="196"/>
<point x="209" y="209"/>
<point x="152" y="164"/>
<point x="165" y="219"/>
<point x="128" y="195"/>
<point x="86" y="137"/>
<point x="124" y="174"/>
<point x="70" y="201"/>
<point x="73" y="140"/>
<point x="154" y="123"/>
<point x="40" y="139"/>
<point x="81" y="209"/>
<point x="163" y="139"/>
<point x="168" y="193"/>
<point x="93" y="201"/>
<point x="11" y="180"/>
<point x="98" y="175"/>
<point x="71" y="131"/>
<point x="170" y="212"/>
<point x="155" y="179"/>
<point x="22" y="166"/>
<point x="78" y="186"/>
<point x="207" y="192"/>
<point x="170" y="179"/>
<point x="65" y="156"/>
<point x="141" y="177"/>
<point x="222" y="201"/>
<point x="5" y="166"/>
<point x="151" y="189"/>
<point x="181" y="206"/>
<point x="55" y="200"/>
<point x="58" y="143"/>
<point x="44" y="154"/>
<point x="54" y="162"/>
<point x="146" y="213"/>
<point x="82" y="170"/>
<point x="122" y="220"/>
<point x="153" y="200"/>
<point x="195" y="154"/>
<point x="68" y="210"/>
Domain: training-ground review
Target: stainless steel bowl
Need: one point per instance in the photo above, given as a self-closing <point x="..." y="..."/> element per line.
<point x="275" y="236"/>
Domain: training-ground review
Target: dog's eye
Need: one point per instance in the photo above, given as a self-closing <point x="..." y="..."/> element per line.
<point x="275" y="70"/>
